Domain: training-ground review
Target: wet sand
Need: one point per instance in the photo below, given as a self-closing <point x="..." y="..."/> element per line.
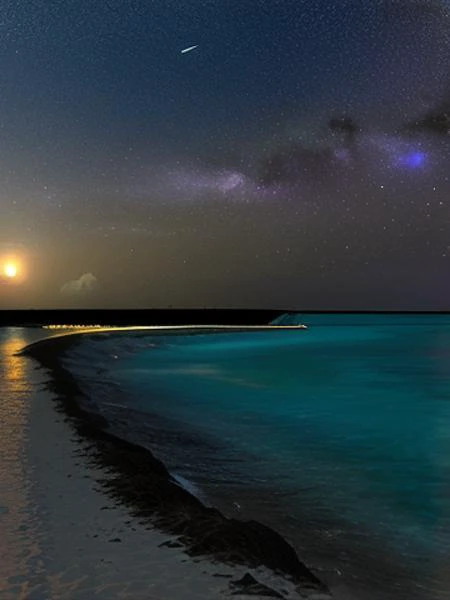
<point x="104" y="524"/>
<point x="88" y="545"/>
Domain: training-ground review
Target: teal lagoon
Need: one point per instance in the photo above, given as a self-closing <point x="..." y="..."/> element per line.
<point x="337" y="436"/>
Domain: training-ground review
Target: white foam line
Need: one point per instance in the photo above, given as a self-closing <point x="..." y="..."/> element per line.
<point x="206" y="328"/>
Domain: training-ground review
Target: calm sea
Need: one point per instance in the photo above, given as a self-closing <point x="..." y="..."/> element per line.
<point x="338" y="437"/>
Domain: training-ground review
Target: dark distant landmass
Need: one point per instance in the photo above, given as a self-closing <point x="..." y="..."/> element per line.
<point x="137" y="317"/>
<point x="163" y="316"/>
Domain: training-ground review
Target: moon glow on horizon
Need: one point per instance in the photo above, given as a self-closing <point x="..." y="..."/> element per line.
<point x="10" y="270"/>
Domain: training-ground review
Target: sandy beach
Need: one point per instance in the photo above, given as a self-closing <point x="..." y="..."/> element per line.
<point x="89" y="529"/>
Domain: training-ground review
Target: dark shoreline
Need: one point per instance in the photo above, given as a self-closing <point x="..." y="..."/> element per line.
<point x="129" y="317"/>
<point x="171" y="316"/>
<point x="143" y="483"/>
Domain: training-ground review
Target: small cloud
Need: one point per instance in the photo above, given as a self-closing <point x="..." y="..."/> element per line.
<point x="81" y="286"/>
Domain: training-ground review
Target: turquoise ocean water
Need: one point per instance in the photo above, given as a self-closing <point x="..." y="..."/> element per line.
<point x="337" y="436"/>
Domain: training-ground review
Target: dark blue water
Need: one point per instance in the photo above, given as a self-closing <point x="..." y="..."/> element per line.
<point x="338" y="436"/>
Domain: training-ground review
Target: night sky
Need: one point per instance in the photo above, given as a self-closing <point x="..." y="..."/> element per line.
<point x="298" y="157"/>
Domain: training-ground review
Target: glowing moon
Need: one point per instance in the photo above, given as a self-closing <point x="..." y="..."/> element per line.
<point x="13" y="267"/>
<point x="10" y="270"/>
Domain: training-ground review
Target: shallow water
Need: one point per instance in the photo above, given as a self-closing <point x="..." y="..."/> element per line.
<point x="338" y="436"/>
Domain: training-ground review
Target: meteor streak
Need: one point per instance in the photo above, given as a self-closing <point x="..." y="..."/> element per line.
<point x="189" y="49"/>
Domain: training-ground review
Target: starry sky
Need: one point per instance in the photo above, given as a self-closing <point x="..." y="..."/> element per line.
<point x="298" y="157"/>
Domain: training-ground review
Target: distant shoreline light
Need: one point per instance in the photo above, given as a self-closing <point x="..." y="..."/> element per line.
<point x="164" y="327"/>
<point x="74" y="326"/>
